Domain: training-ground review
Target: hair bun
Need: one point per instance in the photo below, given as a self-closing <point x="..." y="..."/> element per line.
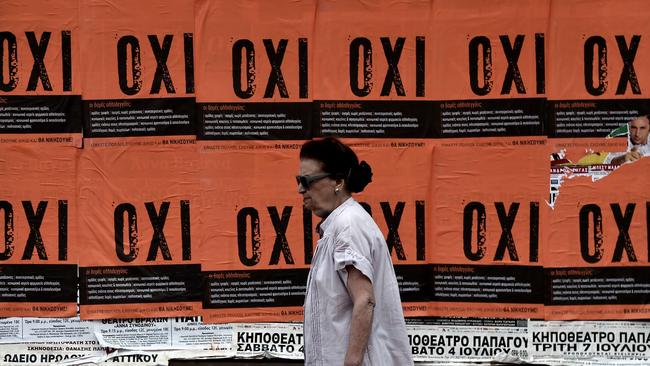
<point x="360" y="176"/>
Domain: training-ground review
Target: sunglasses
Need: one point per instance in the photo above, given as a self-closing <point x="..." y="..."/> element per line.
<point x="307" y="180"/>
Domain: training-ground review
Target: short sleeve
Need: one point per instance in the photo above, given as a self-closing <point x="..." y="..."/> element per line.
<point x="346" y="255"/>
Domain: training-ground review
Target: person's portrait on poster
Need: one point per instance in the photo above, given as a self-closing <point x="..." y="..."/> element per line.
<point x="353" y="313"/>
<point x="638" y="146"/>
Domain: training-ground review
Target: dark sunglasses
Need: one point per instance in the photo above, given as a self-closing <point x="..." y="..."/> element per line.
<point x="307" y="180"/>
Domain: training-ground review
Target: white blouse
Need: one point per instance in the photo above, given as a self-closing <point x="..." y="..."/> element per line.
<point x="351" y="237"/>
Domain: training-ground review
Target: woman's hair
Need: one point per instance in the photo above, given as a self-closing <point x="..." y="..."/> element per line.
<point x="339" y="160"/>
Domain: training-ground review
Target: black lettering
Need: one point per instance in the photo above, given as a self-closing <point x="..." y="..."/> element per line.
<point x="34" y="240"/>
<point x="420" y="65"/>
<point x="512" y="53"/>
<point x="63" y="229"/>
<point x="237" y="48"/>
<point x="355" y="45"/>
<point x="392" y="221"/>
<point x="303" y="68"/>
<point x="601" y="45"/>
<point x="540" y="63"/>
<point x="393" y="76"/>
<point x="188" y="52"/>
<point x="533" y="256"/>
<point x="486" y="48"/>
<point x="628" y="75"/>
<point x="585" y="212"/>
<point x="280" y="225"/>
<point x="66" y="60"/>
<point x="275" y="76"/>
<point x="506" y="241"/>
<point x="136" y="65"/>
<point x="481" y="227"/>
<point x="186" y="237"/>
<point x="158" y="239"/>
<point x="132" y="232"/>
<point x="242" y="217"/>
<point x="38" y="49"/>
<point x="308" y="236"/>
<point x="624" y="242"/>
<point x="8" y="229"/>
<point x="162" y="72"/>
<point x="420" y="233"/>
<point x="9" y="39"/>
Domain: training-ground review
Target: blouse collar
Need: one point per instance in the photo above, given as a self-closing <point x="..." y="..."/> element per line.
<point x="323" y="225"/>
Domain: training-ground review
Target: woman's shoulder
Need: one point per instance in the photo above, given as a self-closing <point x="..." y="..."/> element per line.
<point x="354" y="221"/>
<point x="353" y="214"/>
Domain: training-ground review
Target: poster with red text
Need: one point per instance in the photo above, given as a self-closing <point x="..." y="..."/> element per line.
<point x="40" y="130"/>
<point x="597" y="259"/>
<point x="138" y="179"/>
<point x="489" y="172"/>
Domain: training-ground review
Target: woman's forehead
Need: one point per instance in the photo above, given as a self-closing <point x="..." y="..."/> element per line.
<point x="310" y="166"/>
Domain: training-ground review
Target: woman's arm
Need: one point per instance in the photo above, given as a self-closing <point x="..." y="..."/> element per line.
<point x="363" y="300"/>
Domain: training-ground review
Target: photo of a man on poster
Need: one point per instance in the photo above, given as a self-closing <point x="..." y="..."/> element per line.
<point x="638" y="147"/>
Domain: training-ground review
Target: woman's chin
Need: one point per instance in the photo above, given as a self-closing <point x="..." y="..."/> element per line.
<point x="320" y="212"/>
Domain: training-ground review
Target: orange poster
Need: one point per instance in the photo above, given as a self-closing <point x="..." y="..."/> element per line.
<point x="40" y="101"/>
<point x="258" y="239"/>
<point x="40" y="128"/>
<point x="255" y="85"/>
<point x="489" y="169"/>
<point x="371" y="68"/>
<point x="372" y="63"/>
<point x="138" y="174"/>
<point x="38" y="269"/>
<point x="597" y="245"/>
<point x="255" y="69"/>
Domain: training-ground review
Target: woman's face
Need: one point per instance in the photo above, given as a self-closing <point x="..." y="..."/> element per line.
<point x="319" y="197"/>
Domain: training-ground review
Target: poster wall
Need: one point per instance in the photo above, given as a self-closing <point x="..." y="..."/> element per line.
<point x="148" y="153"/>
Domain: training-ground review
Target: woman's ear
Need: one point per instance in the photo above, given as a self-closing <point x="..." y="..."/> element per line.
<point x="338" y="185"/>
<point x="340" y="182"/>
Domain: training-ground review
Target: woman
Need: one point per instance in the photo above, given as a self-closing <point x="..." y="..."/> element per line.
<point x="353" y="313"/>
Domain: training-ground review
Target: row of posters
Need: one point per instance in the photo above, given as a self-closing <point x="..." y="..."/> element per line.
<point x="156" y="341"/>
<point x="147" y="154"/>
